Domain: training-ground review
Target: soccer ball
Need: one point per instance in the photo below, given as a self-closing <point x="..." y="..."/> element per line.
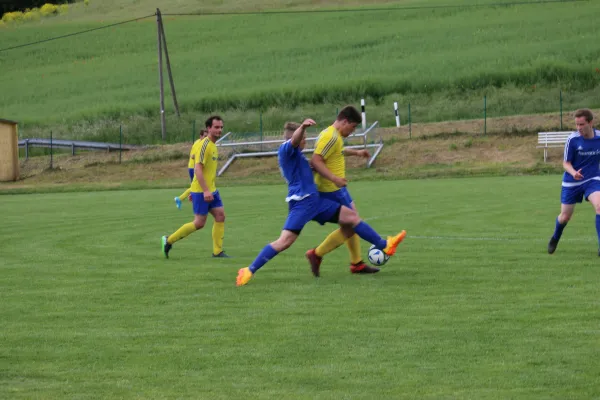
<point x="377" y="257"/>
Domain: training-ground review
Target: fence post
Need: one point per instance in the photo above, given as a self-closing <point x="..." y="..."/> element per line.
<point x="27" y="149"/>
<point x="561" y="119"/>
<point x="364" y="114"/>
<point x="261" y="130"/>
<point x="485" y="115"/>
<point x="120" y="142"/>
<point x="409" y="123"/>
<point x="51" y="150"/>
<point x="396" y="114"/>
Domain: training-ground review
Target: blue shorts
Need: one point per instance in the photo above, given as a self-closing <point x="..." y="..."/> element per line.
<point x="191" y="172"/>
<point x="339" y="196"/>
<point x="576" y="194"/>
<point x="201" y="207"/>
<point x="311" y="208"/>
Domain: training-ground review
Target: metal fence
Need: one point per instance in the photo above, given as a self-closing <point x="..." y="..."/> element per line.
<point x="236" y="149"/>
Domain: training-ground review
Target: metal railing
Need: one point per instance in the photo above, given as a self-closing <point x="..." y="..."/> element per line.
<point x="236" y="154"/>
<point x="72" y="144"/>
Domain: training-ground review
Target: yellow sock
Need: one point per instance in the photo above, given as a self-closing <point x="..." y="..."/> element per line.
<point x="185" y="194"/>
<point x="353" y="244"/>
<point x="218" y="231"/>
<point x="331" y="242"/>
<point x="182" y="232"/>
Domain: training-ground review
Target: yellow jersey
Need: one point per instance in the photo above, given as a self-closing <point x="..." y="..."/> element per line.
<point x="207" y="155"/>
<point x="193" y="151"/>
<point x="330" y="146"/>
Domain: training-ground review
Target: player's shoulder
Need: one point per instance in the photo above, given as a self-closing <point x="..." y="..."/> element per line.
<point x="197" y="143"/>
<point x="286" y="146"/>
<point x="573" y="137"/>
<point x="329" y="134"/>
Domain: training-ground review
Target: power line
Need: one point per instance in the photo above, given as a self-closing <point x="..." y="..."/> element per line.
<point x="75" y="33"/>
<point x="345" y="10"/>
<point x="515" y="3"/>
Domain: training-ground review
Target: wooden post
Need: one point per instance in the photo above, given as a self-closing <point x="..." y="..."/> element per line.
<point x="160" y="77"/>
<point x="171" y="82"/>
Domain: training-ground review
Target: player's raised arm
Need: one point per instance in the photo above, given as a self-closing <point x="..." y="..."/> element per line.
<point x="298" y="134"/>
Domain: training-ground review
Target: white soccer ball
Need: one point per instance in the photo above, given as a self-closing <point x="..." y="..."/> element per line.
<point x="377" y="257"/>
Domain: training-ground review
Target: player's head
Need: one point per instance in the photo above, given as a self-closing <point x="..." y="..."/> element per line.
<point x="583" y="120"/>
<point x="214" y="127"/>
<point x="347" y="120"/>
<point x="288" y="130"/>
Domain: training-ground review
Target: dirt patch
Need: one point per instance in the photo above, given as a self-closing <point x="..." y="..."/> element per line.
<point x="439" y="148"/>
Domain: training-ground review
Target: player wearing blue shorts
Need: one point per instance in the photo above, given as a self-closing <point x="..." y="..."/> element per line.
<point x="205" y="196"/>
<point x="581" y="179"/>
<point x="191" y="165"/>
<point x="329" y="162"/>
<point x="305" y="205"/>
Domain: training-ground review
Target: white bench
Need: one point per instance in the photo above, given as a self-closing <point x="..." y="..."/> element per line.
<point x="552" y="139"/>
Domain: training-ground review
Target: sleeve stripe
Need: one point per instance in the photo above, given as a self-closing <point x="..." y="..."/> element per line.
<point x="202" y="151"/>
<point x="566" y="153"/>
<point x="330" y="144"/>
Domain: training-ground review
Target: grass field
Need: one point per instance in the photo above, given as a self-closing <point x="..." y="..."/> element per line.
<point x="470" y="307"/>
<point x="442" y="60"/>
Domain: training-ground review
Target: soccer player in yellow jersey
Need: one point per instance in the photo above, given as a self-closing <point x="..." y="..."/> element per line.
<point x="329" y="163"/>
<point x="205" y="196"/>
<point x="191" y="163"/>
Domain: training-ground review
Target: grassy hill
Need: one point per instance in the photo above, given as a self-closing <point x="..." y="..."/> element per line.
<point x="442" y="60"/>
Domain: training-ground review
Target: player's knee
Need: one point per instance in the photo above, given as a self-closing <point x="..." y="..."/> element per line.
<point x="348" y="217"/>
<point x="283" y="243"/>
<point x="566" y="216"/>
<point x="199" y="223"/>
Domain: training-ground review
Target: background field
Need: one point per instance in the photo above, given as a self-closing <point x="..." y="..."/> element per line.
<point x="441" y="60"/>
<point x="471" y="307"/>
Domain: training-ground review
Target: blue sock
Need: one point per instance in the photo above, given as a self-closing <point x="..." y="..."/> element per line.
<point x="367" y="233"/>
<point x="559" y="228"/>
<point x="598" y="228"/>
<point x="266" y="254"/>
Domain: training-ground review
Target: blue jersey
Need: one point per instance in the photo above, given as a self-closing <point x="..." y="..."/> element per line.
<point x="296" y="171"/>
<point x="584" y="155"/>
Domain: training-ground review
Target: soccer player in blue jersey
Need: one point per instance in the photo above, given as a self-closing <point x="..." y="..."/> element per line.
<point x="581" y="179"/>
<point x="306" y="205"/>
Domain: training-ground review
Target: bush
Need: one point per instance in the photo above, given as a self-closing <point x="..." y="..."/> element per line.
<point x="48" y="9"/>
<point x="63" y="9"/>
<point x="16" y="16"/>
<point x="32" y="15"/>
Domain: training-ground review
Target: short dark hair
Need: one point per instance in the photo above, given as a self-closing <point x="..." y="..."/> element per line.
<point x="211" y="119"/>
<point x="350" y="114"/>
<point x="584" y="112"/>
<point x="289" y="128"/>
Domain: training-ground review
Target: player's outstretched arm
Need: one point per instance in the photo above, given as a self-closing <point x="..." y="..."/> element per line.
<point x="298" y="134"/>
<point x="358" y="153"/>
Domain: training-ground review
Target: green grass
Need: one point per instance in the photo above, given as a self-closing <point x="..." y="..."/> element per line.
<point x="441" y="60"/>
<point x="470" y="307"/>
